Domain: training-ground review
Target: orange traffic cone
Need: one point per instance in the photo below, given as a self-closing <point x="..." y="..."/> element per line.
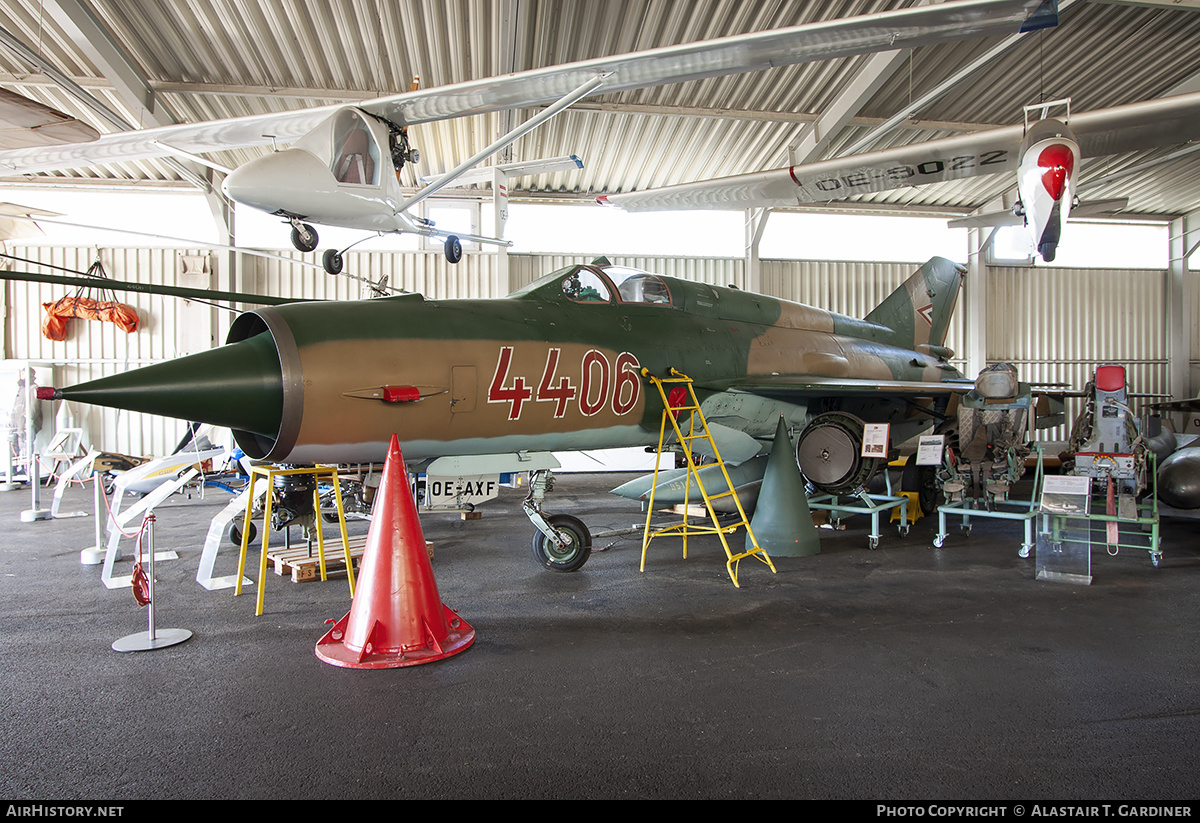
<point x="397" y="617"/>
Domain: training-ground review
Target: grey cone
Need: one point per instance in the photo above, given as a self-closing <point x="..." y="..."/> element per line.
<point x="782" y="521"/>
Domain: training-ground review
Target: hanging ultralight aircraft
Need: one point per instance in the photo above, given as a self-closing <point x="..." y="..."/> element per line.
<point x="342" y="168"/>
<point x="1045" y="153"/>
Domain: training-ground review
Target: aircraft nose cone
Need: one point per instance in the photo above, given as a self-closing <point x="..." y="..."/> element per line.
<point x="283" y="181"/>
<point x="238" y="386"/>
<point x="1056" y="163"/>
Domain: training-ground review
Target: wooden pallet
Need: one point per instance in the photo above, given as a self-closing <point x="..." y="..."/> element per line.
<point x="302" y="567"/>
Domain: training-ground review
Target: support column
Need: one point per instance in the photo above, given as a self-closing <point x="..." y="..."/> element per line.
<point x="500" y="211"/>
<point x="756" y="224"/>
<point x="976" y="303"/>
<point x="1184" y="239"/>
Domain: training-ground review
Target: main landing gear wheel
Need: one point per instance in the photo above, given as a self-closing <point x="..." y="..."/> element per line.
<point x="234" y="532"/>
<point x="304" y="237"/>
<point x="575" y="552"/>
<point x="332" y="261"/>
<point x="453" y="249"/>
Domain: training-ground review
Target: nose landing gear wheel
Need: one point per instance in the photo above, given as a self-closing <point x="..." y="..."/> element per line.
<point x="575" y="552"/>
<point x="304" y="237"/>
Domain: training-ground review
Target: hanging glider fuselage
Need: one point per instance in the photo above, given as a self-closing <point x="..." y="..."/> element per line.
<point x="559" y="365"/>
<point x="1047" y="161"/>
<point x="1045" y="158"/>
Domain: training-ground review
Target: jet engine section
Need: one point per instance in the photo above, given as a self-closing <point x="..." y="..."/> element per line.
<point x="993" y="437"/>
<point x="829" y="452"/>
<point x="1105" y="442"/>
<point x="294" y="502"/>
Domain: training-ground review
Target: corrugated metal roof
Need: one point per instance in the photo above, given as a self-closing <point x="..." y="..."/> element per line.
<point x="225" y="58"/>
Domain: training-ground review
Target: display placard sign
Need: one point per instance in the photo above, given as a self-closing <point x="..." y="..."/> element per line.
<point x="875" y="439"/>
<point x="929" y="449"/>
<point x="1066" y="494"/>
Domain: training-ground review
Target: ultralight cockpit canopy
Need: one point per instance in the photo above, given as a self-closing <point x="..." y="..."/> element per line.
<point x="348" y="145"/>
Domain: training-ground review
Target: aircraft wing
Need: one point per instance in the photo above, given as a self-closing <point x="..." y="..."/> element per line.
<point x="1145" y="125"/>
<point x="25" y="123"/>
<point x="1190" y="405"/>
<point x="904" y="28"/>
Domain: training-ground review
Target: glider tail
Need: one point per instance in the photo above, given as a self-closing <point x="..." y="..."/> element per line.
<point x="918" y="312"/>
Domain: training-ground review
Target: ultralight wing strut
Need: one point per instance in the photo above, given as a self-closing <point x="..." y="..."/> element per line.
<point x="529" y="125"/>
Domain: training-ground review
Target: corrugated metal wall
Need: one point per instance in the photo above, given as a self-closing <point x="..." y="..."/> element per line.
<point x="1057" y="325"/>
<point x="168" y="327"/>
<point x="1054" y="324"/>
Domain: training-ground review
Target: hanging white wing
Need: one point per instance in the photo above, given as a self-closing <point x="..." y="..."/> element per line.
<point x="1138" y="126"/>
<point x="730" y="55"/>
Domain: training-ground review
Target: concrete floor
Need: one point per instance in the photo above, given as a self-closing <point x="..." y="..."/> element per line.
<point x="907" y="672"/>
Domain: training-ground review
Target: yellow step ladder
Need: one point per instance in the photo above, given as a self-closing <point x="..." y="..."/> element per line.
<point x="675" y="404"/>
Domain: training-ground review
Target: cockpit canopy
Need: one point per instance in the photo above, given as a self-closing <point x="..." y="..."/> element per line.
<point x="603" y="284"/>
<point x="348" y="144"/>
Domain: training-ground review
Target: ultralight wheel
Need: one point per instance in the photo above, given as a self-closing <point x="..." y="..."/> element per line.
<point x="453" y="249"/>
<point x="304" y="239"/>
<point x="332" y="261"/>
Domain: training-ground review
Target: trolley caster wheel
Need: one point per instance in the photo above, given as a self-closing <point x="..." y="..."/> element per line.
<point x="903" y="530"/>
<point x="939" y="541"/>
<point x="1024" y="552"/>
<point x="873" y="542"/>
<point x="234" y="532"/>
<point x="1156" y="559"/>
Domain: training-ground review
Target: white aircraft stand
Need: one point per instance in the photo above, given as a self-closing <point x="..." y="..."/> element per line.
<point x="65" y="479"/>
<point x="9" y="470"/>
<point x="151" y="639"/>
<point x="35" y="511"/>
<point x="93" y="555"/>
<point x="119" y="520"/>
<point x="216" y="533"/>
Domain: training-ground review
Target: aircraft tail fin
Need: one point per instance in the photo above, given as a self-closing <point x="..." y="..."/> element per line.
<point x="918" y="312"/>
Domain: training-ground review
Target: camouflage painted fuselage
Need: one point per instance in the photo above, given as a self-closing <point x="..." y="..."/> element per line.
<point x="545" y="370"/>
<point x="555" y="366"/>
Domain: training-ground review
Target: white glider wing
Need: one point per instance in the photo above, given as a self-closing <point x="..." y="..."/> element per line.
<point x="1150" y="124"/>
<point x="905" y="28"/>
